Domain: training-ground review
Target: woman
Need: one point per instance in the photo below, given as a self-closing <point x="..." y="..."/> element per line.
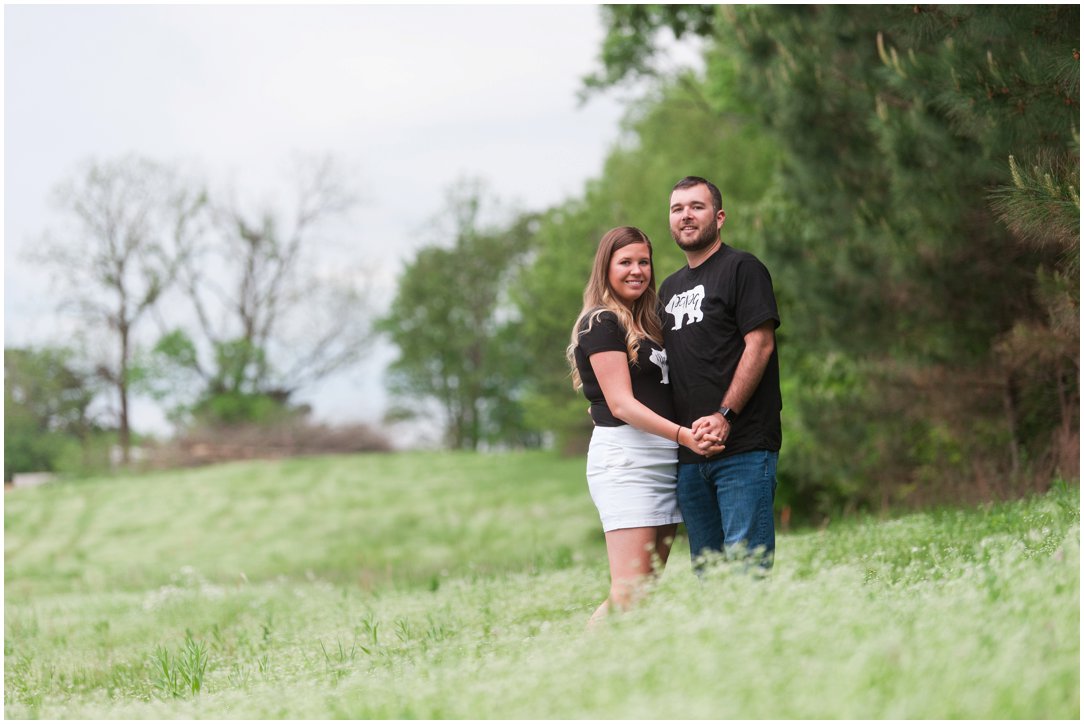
<point x="617" y="358"/>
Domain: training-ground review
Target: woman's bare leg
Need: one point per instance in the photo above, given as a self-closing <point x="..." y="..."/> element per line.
<point x="664" y="541"/>
<point x="635" y="554"/>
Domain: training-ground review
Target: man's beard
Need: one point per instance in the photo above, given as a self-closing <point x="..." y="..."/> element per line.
<point x="708" y="236"/>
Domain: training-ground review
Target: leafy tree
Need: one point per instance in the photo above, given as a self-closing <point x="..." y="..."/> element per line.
<point x="456" y="329"/>
<point x="171" y="373"/>
<point x="132" y="221"/>
<point x="632" y="41"/>
<point x="46" y="402"/>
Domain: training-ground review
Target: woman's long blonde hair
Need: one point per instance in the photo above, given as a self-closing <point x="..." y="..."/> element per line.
<point x="640" y="322"/>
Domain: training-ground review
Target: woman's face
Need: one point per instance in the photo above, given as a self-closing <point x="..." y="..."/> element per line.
<point x="630" y="272"/>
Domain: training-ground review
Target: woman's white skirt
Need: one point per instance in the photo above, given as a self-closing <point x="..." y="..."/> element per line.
<point x="632" y="476"/>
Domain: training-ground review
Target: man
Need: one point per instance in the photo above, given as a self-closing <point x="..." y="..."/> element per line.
<point x="719" y="330"/>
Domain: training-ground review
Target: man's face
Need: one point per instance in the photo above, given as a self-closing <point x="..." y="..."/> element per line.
<point x="693" y="222"/>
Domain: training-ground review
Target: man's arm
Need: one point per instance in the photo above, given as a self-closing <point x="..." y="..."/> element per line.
<point x="759" y="345"/>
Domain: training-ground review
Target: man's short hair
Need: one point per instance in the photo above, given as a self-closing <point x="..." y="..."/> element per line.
<point x="689" y="181"/>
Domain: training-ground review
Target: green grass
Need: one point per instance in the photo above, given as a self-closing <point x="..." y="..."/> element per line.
<point x="457" y="586"/>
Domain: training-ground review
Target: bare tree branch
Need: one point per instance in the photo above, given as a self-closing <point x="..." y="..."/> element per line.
<point x="258" y="269"/>
<point x="131" y="221"/>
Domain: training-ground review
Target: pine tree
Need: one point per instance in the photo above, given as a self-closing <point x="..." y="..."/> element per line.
<point x="921" y="279"/>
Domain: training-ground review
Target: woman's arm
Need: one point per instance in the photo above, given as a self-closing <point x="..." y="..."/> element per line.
<point x="612" y="371"/>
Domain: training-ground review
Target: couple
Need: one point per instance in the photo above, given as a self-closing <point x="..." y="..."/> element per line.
<point x="684" y="393"/>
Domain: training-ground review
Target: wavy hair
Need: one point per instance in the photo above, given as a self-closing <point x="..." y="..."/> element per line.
<point x="641" y="322"/>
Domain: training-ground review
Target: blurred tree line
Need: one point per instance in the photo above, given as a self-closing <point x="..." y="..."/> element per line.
<point x="220" y="310"/>
<point x="910" y="176"/>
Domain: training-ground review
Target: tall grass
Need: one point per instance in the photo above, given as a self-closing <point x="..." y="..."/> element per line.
<point x="458" y="586"/>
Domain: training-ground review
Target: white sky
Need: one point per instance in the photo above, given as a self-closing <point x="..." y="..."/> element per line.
<point x="411" y="97"/>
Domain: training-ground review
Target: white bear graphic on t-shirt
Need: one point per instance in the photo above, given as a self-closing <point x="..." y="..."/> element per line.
<point x="686" y="304"/>
<point x="658" y="356"/>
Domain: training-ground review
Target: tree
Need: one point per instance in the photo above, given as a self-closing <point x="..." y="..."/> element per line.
<point x="911" y="301"/>
<point x="1040" y="356"/>
<point x="133" y="220"/>
<point x="913" y="113"/>
<point x="631" y="46"/>
<point x="456" y="329"/>
<point x="273" y="314"/>
<point x="46" y="402"/>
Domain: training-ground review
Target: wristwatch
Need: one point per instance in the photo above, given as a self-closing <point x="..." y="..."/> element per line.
<point x="728" y="414"/>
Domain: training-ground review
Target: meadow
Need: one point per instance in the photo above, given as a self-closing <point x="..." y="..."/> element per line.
<point x="454" y="585"/>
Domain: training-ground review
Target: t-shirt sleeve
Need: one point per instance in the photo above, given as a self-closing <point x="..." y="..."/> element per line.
<point x="605" y="335"/>
<point x="755" y="302"/>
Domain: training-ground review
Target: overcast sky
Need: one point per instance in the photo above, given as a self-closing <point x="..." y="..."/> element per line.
<point x="411" y="97"/>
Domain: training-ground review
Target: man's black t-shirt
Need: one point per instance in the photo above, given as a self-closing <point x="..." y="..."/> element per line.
<point x="708" y="312"/>
<point x="650" y="380"/>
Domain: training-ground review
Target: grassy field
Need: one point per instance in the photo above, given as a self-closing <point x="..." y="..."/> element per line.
<point x="457" y="586"/>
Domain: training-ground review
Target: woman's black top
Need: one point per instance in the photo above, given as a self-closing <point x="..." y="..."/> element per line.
<point x="650" y="374"/>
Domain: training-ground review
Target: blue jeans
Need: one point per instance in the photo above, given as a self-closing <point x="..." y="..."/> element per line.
<point x="727" y="506"/>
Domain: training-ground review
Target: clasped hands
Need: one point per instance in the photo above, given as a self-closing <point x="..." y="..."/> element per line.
<point x="710" y="432"/>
